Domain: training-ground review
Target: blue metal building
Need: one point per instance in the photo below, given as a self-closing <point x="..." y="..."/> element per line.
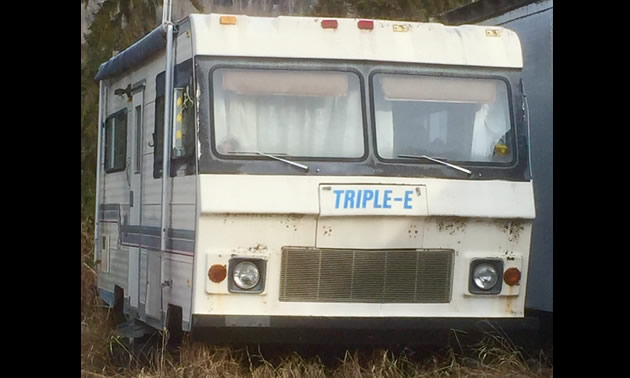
<point x="533" y="22"/>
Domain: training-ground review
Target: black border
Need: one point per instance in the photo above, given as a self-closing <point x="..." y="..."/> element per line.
<point x="210" y="163"/>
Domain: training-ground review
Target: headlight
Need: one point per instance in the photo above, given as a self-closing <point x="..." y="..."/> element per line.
<point x="246" y="275"/>
<point x="485" y="276"/>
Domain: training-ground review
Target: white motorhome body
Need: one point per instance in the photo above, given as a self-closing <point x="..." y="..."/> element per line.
<point x="293" y="167"/>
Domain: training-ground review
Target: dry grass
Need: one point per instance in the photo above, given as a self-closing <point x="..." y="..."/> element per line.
<point x="104" y="354"/>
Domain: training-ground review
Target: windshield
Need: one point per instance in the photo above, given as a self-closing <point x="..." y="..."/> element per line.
<point x="457" y="119"/>
<point x="287" y="112"/>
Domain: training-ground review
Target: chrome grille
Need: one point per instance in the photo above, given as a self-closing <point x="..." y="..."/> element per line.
<point x="366" y="276"/>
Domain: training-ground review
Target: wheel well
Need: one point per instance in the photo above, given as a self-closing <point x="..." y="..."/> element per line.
<point x="119" y="304"/>
<point x="174" y="319"/>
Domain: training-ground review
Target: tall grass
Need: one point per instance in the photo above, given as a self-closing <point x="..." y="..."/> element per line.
<point x="105" y="354"/>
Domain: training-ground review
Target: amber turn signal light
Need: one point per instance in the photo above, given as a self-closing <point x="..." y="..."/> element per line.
<point x="217" y="273"/>
<point x="512" y="276"/>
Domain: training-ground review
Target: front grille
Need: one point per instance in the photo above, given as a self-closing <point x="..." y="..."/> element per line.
<point x="366" y="276"/>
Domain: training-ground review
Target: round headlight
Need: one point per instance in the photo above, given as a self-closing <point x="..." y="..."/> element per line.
<point x="246" y="275"/>
<point x="485" y="276"/>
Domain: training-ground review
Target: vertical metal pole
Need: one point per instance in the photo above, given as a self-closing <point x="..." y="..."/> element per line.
<point x="99" y="125"/>
<point x="166" y="11"/>
<point x="166" y="151"/>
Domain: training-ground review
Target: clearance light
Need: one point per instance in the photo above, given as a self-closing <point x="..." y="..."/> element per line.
<point x="512" y="276"/>
<point x="217" y="273"/>
<point x="366" y="24"/>
<point x="227" y="20"/>
<point x="329" y="24"/>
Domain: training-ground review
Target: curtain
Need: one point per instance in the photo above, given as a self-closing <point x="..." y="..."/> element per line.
<point x="306" y="126"/>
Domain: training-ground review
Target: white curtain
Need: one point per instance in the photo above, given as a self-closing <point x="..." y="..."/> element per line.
<point x="491" y="124"/>
<point x="315" y="126"/>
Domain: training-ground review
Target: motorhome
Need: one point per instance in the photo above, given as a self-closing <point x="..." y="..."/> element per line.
<point x="289" y="173"/>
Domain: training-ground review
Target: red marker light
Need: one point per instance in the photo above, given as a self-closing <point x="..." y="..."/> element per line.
<point x="329" y="24"/>
<point x="366" y="24"/>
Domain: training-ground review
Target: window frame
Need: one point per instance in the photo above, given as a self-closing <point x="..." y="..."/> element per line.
<point x="513" y="142"/>
<point x="271" y="67"/>
<point x="188" y="160"/>
<point x="122" y="113"/>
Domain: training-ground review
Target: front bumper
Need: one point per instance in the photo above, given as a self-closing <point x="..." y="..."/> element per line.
<point x="354" y="330"/>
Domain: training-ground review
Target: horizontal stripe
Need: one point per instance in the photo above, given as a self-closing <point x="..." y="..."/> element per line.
<point x="109" y="212"/>
<point x="155" y="231"/>
<point x="181" y="242"/>
<point x="154" y="242"/>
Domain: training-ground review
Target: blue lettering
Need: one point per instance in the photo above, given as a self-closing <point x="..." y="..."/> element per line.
<point x="337" y="197"/>
<point x="376" y="205"/>
<point x="349" y="199"/>
<point x="358" y="201"/>
<point x="408" y="198"/>
<point x="368" y="196"/>
<point x="386" y="200"/>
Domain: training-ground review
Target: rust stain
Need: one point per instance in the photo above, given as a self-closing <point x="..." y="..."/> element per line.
<point x="509" y="302"/>
<point x="513" y="230"/>
<point x="259" y="247"/>
<point x="452" y="225"/>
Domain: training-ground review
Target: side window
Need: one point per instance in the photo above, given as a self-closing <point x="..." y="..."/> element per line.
<point x="116" y="142"/>
<point x="138" y="118"/>
<point x="158" y="135"/>
<point x="183" y="132"/>
<point x="183" y="124"/>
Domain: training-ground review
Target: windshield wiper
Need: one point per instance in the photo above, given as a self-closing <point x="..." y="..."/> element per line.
<point x="304" y="167"/>
<point x="469" y="173"/>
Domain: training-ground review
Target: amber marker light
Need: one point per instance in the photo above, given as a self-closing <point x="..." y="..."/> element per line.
<point x="512" y="276"/>
<point x="227" y="20"/>
<point x="217" y="273"/>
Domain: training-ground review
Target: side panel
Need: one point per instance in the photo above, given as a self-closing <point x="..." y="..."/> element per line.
<point x="130" y="231"/>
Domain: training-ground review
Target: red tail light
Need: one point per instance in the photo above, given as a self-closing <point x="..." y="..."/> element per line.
<point x="329" y="24"/>
<point x="366" y="24"/>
